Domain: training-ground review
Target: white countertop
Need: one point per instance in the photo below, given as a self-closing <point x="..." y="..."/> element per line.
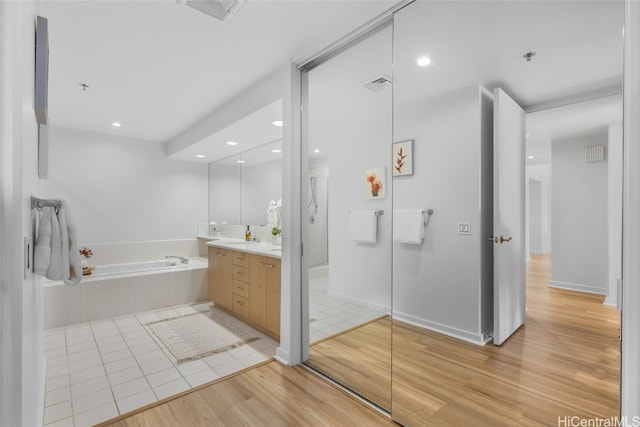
<point x="262" y="248"/>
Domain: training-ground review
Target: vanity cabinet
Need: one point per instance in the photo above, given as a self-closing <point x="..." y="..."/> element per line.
<point x="220" y="277"/>
<point x="248" y="286"/>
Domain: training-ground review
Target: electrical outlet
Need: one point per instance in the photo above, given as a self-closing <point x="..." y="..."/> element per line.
<point x="464" y="228"/>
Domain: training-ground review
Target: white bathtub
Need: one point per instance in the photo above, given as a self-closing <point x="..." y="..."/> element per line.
<point x="136" y="267"/>
<point x="119" y="289"/>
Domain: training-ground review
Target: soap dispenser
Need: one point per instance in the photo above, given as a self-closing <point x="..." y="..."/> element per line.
<point x="247" y="234"/>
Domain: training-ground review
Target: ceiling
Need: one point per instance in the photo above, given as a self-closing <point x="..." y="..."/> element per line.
<point x="158" y="67"/>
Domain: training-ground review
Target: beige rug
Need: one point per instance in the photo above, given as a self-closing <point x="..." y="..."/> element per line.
<point x="198" y="335"/>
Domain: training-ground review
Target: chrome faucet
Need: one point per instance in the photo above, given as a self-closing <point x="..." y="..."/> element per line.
<point x="182" y="259"/>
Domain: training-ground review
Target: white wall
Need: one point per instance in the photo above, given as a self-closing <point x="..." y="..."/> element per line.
<point x="352" y="125"/>
<point x="122" y="190"/>
<point x="439" y="284"/>
<point x="22" y="354"/>
<point x="542" y="174"/>
<point x="579" y="246"/>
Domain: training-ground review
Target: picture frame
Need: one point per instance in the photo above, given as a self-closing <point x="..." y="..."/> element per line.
<point x="402" y="158"/>
<point x="375" y="183"/>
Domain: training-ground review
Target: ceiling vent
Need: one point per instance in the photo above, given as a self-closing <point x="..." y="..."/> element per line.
<point x="222" y="10"/>
<point x="377" y="83"/>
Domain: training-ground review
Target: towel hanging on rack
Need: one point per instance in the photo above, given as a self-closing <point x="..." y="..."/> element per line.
<point x="408" y="226"/>
<point x="56" y="254"/>
<point x="363" y="226"/>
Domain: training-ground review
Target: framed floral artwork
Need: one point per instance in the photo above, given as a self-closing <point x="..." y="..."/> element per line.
<point x="374" y="184"/>
<point x="403" y="158"/>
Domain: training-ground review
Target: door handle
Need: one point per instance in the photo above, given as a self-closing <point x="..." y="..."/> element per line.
<point x="501" y="239"/>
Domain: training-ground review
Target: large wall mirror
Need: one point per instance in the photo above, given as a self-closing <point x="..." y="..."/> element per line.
<point x="241" y="186"/>
<point x="497" y="256"/>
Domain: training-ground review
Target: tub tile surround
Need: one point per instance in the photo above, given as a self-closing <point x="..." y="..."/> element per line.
<point x="98" y="298"/>
<point x="98" y="370"/>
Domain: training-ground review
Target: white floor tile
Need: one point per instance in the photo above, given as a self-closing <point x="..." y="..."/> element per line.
<point x="91" y="386"/>
<point x="163" y="377"/>
<point x="169" y="389"/>
<point x="229" y="368"/>
<point x="150" y="356"/>
<point x="83" y="364"/>
<point x="57" y="396"/>
<point x="87" y="345"/>
<point x="253" y="359"/>
<point x="116" y="355"/>
<point x="145" y="348"/>
<point x="58" y="382"/>
<point x="58" y="370"/>
<point x="119" y="365"/>
<point x="57" y="412"/>
<point x="136" y="401"/>
<point x="110" y="348"/>
<point x="92" y="401"/>
<point x="129" y="388"/>
<point x="218" y="359"/>
<point x="82" y="355"/>
<point x="87" y="374"/>
<point x="191" y="368"/>
<point x="55" y="352"/>
<point x="97" y="415"/>
<point x="202" y="377"/>
<point x="125" y="375"/>
<point x="67" y="422"/>
<point x="156" y="365"/>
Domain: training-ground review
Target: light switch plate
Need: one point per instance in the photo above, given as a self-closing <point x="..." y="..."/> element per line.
<point x="464" y="228"/>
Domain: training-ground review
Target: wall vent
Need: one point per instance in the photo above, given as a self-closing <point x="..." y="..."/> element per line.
<point x="377" y="83"/>
<point x="594" y="154"/>
<point x="222" y="10"/>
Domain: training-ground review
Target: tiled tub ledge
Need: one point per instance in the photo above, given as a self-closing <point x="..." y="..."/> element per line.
<point x="103" y="297"/>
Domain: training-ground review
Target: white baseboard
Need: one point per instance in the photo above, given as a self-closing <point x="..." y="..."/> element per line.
<point x="320" y="271"/>
<point x="577" y="287"/>
<point x="611" y="301"/>
<point x="282" y="357"/>
<point x="361" y="302"/>
<point x="478" y="339"/>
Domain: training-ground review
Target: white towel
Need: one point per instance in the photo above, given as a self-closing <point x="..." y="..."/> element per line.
<point x="54" y="272"/>
<point x="71" y="264"/>
<point x="42" y="250"/>
<point x="363" y="226"/>
<point x="408" y="226"/>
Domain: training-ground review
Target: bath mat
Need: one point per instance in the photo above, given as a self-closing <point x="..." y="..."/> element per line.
<point x="198" y="335"/>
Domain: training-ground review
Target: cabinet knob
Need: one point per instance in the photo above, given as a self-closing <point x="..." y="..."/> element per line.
<point x="269" y="265"/>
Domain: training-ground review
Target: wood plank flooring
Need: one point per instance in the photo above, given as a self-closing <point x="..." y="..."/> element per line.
<point x="564" y="362"/>
<point x="269" y="395"/>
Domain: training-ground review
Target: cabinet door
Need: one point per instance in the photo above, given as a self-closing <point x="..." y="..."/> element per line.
<point x="258" y="290"/>
<point x="273" y="295"/>
<point x="220" y="281"/>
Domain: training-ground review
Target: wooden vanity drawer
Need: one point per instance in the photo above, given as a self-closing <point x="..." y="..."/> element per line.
<point x="240" y="305"/>
<point x="241" y="274"/>
<point x="241" y="288"/>
<point x="241" y="259"/>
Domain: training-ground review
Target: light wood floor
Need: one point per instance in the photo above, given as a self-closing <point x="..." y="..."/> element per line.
<point x="269" y="395"/>
<point x="563" y="362"/>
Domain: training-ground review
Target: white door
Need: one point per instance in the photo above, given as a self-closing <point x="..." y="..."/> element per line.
<point x="509" y="290"/>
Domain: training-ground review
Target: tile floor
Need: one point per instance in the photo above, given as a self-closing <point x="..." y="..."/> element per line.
<point x="99" y="370"/>
<point x="329" y="316"/>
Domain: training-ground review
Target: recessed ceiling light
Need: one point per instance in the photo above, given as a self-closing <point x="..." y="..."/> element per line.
<point x="423" y="61"/>
<point x="316" y="151"/>
<point x="201" y="156"/>
<point x="277" y="123"/>
<point x="116" y="124"/>
<point x="231" y="143"/>
<point x="276" y="150"/>
<point x="530" y="157"/>
<point x="241" y="161"/>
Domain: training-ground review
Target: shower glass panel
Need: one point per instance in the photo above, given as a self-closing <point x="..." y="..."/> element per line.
<point x="446" y="370"/>
<point x="349" y="222"/>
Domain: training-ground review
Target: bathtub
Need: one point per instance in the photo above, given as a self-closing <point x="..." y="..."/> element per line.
<point x="136" y="267"/>
<point x="114" y="290"/>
